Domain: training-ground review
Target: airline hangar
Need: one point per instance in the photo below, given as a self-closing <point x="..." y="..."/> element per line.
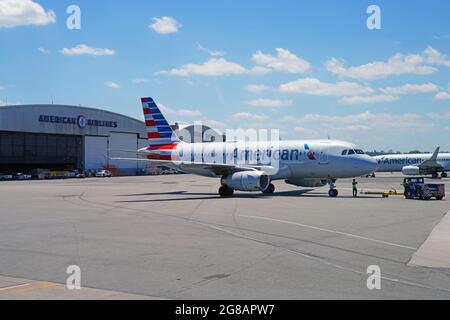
<point x="62" y="137"/>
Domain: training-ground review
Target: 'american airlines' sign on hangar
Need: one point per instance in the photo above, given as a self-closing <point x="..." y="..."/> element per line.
<point x="81" y="121"/>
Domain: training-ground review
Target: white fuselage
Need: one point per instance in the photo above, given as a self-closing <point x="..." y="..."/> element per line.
<point x="396" y="162"/>
<point x="321" y="159"/>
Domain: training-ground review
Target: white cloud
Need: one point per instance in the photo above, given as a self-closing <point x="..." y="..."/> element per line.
<point x="359" y="127"/>
<point x="273" y="103"/>
<point x="112" y="85"/>
<point x="284" y="61"/>
<point x="442" y="96"/>
<point x="179" y="112"/>
<point x="439" y="116"/>
<point x="212" y="67"/>
<point x="219" y="66"/>
<point x="43" y="50"/>
<point x="212" y="53"/>
<point x="433" y="56"/>
<point x="250" y="116"/>
<point x="368" y="120"/>
<point x="398" y="64"/>
<point x="442" y="36"/>
<point x="188" y="113"/>
<point x="14" y="13"/>
<point x="410" y="89"/>
<point x="316" y="87"/>
<point x="214" y="124"/>
<point x="355" y="100"/>
<point x="83" y="49"/>
<point x="165" y="25"/>
<point x="256" y="88"/>
<point x="140" y="80"/>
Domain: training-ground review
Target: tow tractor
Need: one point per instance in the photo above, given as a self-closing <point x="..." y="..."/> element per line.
<point x="416" y="188"/>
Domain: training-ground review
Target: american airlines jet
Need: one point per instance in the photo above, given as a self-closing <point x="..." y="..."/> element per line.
<point x="251" y="166"/>
<point x="415" y="164"/>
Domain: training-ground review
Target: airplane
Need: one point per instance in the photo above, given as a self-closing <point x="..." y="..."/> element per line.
<point x="251" y="166"/>
<point x="415" y="164"/>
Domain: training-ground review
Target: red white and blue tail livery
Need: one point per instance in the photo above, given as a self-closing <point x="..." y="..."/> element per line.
<point x="161" y="138"/>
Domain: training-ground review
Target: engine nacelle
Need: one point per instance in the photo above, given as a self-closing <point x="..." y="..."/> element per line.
<point x="411" y="171"/>
<point x="309" y="183"/>
<point x="247" y="181"/>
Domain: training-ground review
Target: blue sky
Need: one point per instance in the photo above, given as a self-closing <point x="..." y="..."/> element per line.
<point x="311" y="69"/>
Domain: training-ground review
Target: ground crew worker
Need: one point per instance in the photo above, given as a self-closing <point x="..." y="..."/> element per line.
<point x="355" y="189"/>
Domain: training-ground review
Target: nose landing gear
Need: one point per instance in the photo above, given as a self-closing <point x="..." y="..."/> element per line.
<point x="333" y="193"/>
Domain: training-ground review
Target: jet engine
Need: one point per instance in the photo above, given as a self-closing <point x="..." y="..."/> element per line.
<point x="247" y="181"/>
<point x="411" y="170"/>
<point x="309" y="183"/>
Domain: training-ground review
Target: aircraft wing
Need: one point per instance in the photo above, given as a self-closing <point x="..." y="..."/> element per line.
<point x="208" y="169"/>
<point x="431" y="164"/>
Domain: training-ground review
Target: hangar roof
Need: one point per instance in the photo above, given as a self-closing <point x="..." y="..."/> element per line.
<point x="67" y="119"/>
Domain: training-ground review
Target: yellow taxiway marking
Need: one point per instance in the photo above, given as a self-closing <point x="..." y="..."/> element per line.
<point x="14" y="286"/>
<point x="30" y="286"/>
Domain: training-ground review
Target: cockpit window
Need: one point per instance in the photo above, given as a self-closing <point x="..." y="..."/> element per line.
<point x="344" y="152"/>
<point x="351" y="151"/>
<point x="359" y="151"/>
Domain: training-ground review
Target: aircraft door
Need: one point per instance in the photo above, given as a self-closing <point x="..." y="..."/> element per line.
<point x="324" y="151"/>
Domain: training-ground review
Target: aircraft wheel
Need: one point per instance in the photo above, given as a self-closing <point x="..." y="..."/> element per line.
<point x="225" y="192"/>
<point x="333" y="193"/>
<point x="270" y="189"/>
<point x="444" y="175"/>
<point x="439" y="198"/>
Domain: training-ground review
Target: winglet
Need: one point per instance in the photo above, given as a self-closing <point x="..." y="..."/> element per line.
<point x="435" y="154"/>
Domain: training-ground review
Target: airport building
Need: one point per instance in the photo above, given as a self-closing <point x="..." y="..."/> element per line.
<point x="63" y="137"/>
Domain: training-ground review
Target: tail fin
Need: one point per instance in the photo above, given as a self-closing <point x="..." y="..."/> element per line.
<point x="435" y="154"/>
<point x="159" y="132"/>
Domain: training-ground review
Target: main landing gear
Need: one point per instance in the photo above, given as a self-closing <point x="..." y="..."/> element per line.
<point x="225" y="192"/>
<point x="270" y="189"/>
<point x="436" y="175"/>
<point x="333" y="193"/>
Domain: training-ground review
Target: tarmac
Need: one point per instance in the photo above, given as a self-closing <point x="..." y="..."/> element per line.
<point x="173" y="237"/>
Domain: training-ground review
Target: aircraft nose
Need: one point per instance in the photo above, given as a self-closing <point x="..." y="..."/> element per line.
<point x="369" y="164"/>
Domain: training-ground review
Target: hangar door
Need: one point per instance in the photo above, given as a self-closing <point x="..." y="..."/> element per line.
<point x="95" y="149"/>
<point x="128" y="142"/>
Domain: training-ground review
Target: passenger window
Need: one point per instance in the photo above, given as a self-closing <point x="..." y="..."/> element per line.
<point x="351" y="152"/>
<point x="344" y="152"/>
